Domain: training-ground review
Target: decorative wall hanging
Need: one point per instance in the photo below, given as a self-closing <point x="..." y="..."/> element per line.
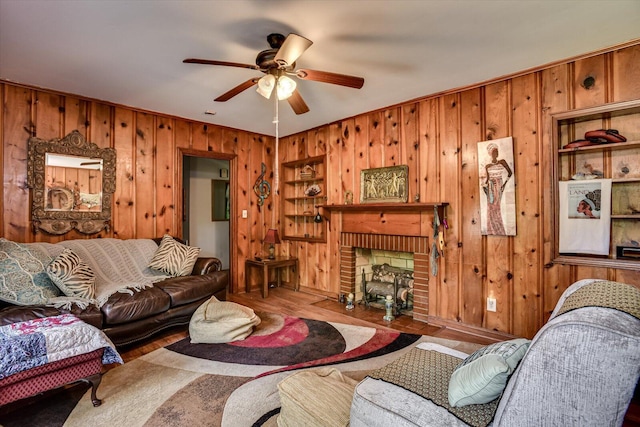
<point x="497" y="190"/>
<point x="348" y="197"/>
<point x="307" y="172"/>
<point x="585" y="216"/>
<point x="312" y="190"/>
<point x="262" y="187"/>
<point x="384" y="184"/>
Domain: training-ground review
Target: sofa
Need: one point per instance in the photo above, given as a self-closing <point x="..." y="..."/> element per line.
<point x="132" y="299"/>
<point x="580" y="369"/>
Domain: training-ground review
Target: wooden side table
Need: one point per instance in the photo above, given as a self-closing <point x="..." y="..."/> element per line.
<point x="268" y="264"/>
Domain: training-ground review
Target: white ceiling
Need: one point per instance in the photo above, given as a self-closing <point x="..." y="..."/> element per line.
<point x="131" y="52"/>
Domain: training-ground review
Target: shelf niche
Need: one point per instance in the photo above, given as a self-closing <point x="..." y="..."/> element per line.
<point x="618" y="161"/>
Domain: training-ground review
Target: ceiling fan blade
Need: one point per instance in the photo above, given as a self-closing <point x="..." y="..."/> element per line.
<point x="236" y="90"/>
<point x="223" y="63"/>
<point x="297" y="103"/>
<point x="333" y="78"/>
<point x="291" y="49"/>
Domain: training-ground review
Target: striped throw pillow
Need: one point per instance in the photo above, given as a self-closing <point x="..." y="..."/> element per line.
<point x="174" y="258"/>
<point x="72" y="275"/>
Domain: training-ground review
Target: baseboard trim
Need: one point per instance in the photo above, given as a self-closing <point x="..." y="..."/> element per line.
<point x="469" y="329"/>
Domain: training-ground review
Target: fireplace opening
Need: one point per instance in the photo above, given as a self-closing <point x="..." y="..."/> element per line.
<point x="410" y="253"/>
<point x="382" y="274"/>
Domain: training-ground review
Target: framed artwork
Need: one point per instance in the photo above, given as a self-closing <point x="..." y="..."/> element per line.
<point x="384" y="184"/>
<point x="585" y="216"/>
<point x="497" y="189"/>
<point x="220" y="200"/>
<point x="224" y="173"/>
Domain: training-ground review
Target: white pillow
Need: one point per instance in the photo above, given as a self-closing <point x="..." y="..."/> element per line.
<point x="174" y="258"/>
<point x="481" y="377"/>
<point x="221" y="321"/>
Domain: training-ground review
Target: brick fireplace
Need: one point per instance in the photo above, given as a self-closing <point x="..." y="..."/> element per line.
<point x="417" y="245"/>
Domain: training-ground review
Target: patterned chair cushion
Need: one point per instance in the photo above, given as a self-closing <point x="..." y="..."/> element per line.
<point x="72" y="275"/>
<point x="174" y="258"/>
<point x="23" y="279"/>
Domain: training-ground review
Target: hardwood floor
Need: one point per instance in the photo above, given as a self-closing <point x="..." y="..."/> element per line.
<point x="317" y="307"/>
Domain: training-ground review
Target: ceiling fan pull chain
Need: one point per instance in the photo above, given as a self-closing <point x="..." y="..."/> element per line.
<point x="276" y="121"/>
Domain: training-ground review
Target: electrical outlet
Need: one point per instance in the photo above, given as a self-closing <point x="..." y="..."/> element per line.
<point x="245" y="214"/>
<point x="491" y="304"/>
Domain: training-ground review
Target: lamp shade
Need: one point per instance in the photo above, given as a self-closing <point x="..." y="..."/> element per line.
<point x="285" y="87"/>
<point x="272" y="236"/>
<point x="266" y="85"/>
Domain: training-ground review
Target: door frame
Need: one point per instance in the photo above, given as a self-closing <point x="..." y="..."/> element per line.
<point x="233" y="204"/>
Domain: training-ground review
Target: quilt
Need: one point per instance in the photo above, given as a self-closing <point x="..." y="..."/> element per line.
<point x="25" y="345"/>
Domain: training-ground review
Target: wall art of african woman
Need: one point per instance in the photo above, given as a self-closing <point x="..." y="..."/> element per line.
<point x="497" y="190"/>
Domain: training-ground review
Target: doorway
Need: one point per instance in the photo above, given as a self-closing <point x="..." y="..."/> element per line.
<point x="204" y="223"/>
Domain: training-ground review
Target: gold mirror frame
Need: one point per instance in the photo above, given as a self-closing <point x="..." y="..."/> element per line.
<point x="62" y="221"/>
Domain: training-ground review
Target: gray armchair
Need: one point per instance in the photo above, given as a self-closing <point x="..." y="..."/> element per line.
<point x="581" y="369"/>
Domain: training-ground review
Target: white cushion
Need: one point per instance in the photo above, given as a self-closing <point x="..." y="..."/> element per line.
<point x="221" y="321"/>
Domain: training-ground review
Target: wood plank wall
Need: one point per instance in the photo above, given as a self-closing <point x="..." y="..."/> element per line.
<point x="436" y="136"/>
<point x="149" y="147"/>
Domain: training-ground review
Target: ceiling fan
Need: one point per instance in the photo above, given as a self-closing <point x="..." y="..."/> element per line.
<point x="278" y="63"/>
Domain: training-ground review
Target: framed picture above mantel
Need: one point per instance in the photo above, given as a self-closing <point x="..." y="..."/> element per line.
<point x="381" y="185"/>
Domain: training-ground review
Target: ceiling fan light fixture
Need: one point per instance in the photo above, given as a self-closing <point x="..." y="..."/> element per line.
<point x="286" y="86"/>
<point x="266" y="85"/>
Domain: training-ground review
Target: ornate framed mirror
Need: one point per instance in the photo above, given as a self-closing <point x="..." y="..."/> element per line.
<point x="73" y="182"/>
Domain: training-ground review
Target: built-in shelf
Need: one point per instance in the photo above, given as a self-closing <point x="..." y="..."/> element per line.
<point x="617" y="161"/>
<point x="298" y="209"/>
<point x="603" y="147"/>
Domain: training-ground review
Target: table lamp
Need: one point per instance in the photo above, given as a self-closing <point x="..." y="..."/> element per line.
<point x="272" y="239"/>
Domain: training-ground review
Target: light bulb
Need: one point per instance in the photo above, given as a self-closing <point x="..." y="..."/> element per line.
<point x="286" y="86"/>
<point x="265" y="85"/>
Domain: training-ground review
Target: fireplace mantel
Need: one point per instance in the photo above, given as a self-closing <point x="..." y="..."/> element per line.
<point x="385" y="207"/>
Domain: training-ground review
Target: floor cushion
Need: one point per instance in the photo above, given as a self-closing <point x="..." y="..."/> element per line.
<point x="316" y="397"/>
<point x="218" y="321"/>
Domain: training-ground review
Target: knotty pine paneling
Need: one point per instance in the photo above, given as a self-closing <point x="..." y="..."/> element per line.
<point x="145" y="175"/>
<point x="124" y="218"/>
<point x="526" y="294"/>
<point x="441" y="133"/>
<point x="472" y="293"/>
<point x="166" y="218"/>
<point x="16" y="130"/>
<point x="448" y="297"/>
<point x="516" y="270"/>
<point x="147" y="201"/>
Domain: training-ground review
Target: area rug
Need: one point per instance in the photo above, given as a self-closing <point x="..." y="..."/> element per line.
<point x="228" y="385"/>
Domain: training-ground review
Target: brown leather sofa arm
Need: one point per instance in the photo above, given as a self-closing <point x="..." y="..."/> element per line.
<point x="206" y="265"/>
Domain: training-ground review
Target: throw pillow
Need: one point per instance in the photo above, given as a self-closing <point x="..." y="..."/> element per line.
<point x="72" y="275"/>
<point x="221" y="321"/>
<point x="23" y="280"/>
<point x="174" y="258"/>
<point x="481" y="377"/>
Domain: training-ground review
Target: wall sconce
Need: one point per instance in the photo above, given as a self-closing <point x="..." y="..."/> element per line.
<point x="272" y="238"/>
